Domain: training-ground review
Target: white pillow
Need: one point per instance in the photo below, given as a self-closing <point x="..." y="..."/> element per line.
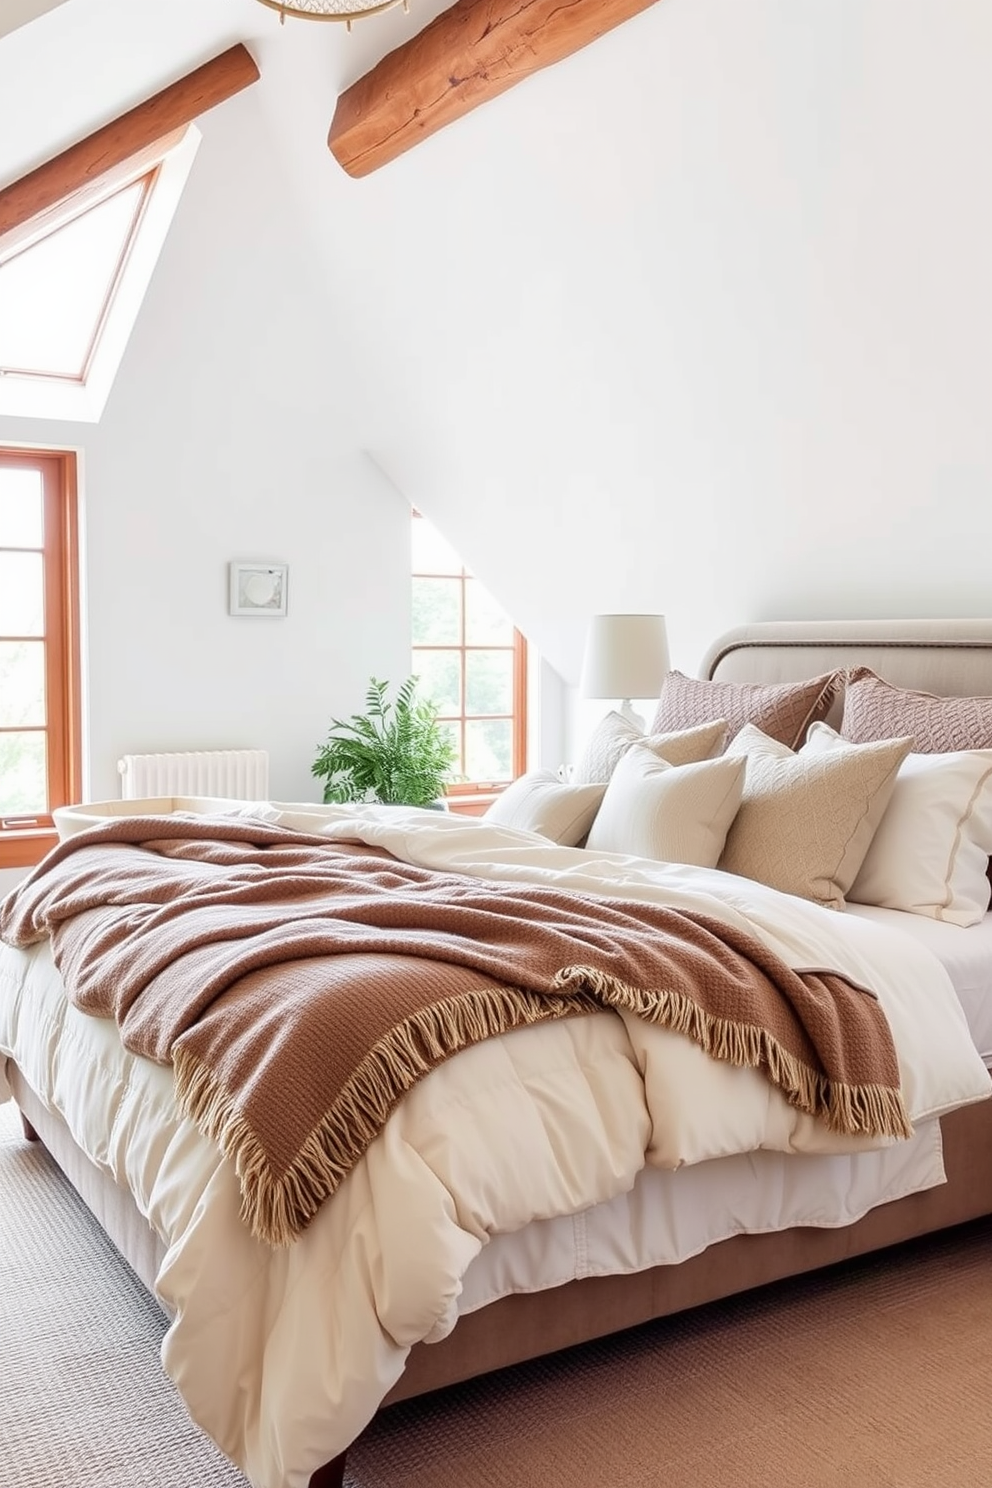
<point x="539" y="802"/>
<point x="614" y="734"/>
<point x="674" y="813"/>
<point x="930" y="853"/>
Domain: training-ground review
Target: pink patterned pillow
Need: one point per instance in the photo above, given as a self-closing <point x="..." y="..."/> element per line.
<point x="782" y="710"/>
<point x="874" y="709"/>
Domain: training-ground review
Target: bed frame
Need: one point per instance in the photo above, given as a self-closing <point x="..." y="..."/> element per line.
<point x="951" y="657"/>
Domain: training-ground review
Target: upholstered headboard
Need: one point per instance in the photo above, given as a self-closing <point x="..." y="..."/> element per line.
<point x="949" y="657"/>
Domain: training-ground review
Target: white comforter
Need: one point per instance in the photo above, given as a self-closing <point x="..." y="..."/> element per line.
<point x="283" y="1356"/>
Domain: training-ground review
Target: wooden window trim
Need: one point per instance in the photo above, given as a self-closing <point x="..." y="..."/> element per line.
<point x="487" y="790"/>
<point x="25" y="232"/>
<point x="473" y="796"/>
<point x="147" y="180"/>
<point x="22" y="846"/>
<point x="137" y="218"/>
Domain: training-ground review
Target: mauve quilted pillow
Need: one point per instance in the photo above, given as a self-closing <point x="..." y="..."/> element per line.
<point x="874" y="709"/>
<point x="782" y="710"/>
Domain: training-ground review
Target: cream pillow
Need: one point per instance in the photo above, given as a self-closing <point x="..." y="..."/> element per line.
<point x="806" y="820"/>
<point x="613" y="736"/>
<point x="675" y="813"/>
<point x="931" y="851"/>
<point x="539" y="802"/>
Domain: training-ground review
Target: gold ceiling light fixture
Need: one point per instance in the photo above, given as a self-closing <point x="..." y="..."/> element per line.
<point x="331" y="10"/>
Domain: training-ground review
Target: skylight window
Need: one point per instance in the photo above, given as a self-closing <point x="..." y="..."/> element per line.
<point x="55" y="294"/>
<point x="71" y="286"/>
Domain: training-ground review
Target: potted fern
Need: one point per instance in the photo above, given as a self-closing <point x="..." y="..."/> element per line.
<point x="394" y="752"/>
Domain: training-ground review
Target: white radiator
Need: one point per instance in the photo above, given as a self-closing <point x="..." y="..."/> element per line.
<point x="238" y="774"/>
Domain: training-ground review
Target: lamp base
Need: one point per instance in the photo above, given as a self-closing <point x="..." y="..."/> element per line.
<point x="626" y="711"/>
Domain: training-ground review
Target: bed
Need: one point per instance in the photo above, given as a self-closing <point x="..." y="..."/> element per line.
<point x="440" y="1255"/>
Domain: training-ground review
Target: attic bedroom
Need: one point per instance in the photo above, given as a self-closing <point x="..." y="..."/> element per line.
<point x="675" y="312"/>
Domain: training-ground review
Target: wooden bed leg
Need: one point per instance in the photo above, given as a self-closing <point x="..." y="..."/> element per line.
<point x="331" y="1475"/>
<point x="29" y="1131"/>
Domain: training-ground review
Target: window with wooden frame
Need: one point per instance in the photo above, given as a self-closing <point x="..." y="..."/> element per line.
<point x="72" y="280"/>
<point x="472" y="664"/>
<point x="40" y="749"/>
<point x="79" y="239"/>
<point x="56" y="291"/>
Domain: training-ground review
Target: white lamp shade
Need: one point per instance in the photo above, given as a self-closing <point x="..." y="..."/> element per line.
<point x="626" y="656"/>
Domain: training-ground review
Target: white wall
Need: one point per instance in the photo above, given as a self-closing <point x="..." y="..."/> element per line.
<point x="228" y="434"/>
<point x="699" y="320"/>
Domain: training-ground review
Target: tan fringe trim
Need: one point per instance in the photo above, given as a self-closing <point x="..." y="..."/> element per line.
<point x="855" y="1110"/>
<point x="278" y="1208"/>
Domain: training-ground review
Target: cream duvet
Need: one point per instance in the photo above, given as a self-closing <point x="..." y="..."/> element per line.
<point x="638" y="1148"/>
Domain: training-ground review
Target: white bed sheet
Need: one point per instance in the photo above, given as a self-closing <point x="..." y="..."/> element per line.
<point x="965" y="952"/>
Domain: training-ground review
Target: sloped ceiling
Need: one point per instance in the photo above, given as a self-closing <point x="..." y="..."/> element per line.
<point x="698" y="320"/>
<point x="84" y="63"/>
<point x="80" y="63"/>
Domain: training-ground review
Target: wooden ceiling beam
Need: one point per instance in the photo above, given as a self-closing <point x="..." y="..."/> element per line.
<point x="104" y="156"/>
<point x="26" y="229"/>
<point x="467" y="55"/>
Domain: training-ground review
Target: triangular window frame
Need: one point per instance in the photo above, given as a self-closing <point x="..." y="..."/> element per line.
<point x="165" y="166"/>
<point x="156" y="134"/>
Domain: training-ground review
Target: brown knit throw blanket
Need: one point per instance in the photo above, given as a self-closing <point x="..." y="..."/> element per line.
<point x="300" y="987"/>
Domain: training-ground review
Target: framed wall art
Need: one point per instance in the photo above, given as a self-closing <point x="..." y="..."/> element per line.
<point x="257" y="588"/>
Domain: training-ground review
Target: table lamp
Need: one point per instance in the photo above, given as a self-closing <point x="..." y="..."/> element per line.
<point x="626" y="657"/>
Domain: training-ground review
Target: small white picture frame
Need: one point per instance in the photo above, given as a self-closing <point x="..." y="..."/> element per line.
<point x="257" y="588"/>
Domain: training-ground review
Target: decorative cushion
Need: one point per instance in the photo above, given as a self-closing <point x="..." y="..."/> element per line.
<point x="614" y="735"/>
<point x="930" y="853"/>
<point x="806" y="820"/>
<point x="874" y="709"/>
<point x="782" y="710"/>
<point x="539" y="802"/>
<point x="678" y="814"/>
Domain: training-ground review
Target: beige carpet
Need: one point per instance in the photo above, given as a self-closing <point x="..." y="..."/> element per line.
<point x="877" y="1375"/>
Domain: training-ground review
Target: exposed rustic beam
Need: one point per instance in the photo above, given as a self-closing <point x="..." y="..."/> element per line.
<point x="148" y="127"/>
<point x="136" y="165"/>
<point x="468" y="54"/>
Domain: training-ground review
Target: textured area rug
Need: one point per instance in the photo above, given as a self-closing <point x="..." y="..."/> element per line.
<point x="871" y="1375"/>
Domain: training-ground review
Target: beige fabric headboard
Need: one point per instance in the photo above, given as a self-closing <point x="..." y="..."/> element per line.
<point x="950" y="657"/>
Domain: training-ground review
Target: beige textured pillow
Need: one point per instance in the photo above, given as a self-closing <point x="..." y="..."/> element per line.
<point x="675" y="813"/>
<point x="806" y="820"/>
<point x="874" y="709"/>
<point x="539" y="802"/>
<point x="931" y="851"/>
<point x="782" y="710"/>
<point x="613" y="736"/>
